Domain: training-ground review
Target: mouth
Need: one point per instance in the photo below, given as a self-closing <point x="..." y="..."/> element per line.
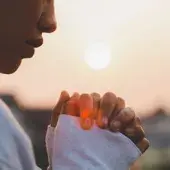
<point x="29" y="51"/>
<point x="35" y="42"/>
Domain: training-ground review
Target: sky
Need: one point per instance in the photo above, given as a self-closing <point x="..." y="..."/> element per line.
<point x="138" y="35"/>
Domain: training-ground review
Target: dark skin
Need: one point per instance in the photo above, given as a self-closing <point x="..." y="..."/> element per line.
<point x="109" y="112"/>
<point x="22" y="24"/>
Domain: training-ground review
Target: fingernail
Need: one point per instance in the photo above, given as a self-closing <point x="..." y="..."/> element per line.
<point x="87" y="123"/>
<point x="75" y="96"/>
<point x="116" y="125"/>
<point x="64" y="93"/>
<point x="102" y="122"/>
<point x="105" y="121"/>
<point x="64" y="96"/>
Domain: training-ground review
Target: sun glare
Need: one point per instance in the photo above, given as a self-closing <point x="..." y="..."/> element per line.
<point x="98" y="56"/>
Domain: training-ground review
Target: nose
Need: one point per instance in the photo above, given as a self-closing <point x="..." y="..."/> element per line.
<point x="47" y="25"/>
<point x="47" y="22"/>
<point x="48" y="28"/>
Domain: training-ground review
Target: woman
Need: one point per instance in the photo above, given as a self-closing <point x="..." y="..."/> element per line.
<point x="22" y="24"/>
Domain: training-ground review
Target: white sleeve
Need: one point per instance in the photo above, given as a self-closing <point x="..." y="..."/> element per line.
<point x="16" y="151"/>
<point x="96" y="149"/>
<point x="9" y="158"/>
<point x="49" y="144"/>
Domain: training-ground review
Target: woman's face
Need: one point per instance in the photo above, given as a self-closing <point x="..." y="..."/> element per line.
<point x="22" y="23"/>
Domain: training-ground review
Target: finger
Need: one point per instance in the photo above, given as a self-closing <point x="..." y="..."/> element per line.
<point x="107" y="105"/>
<point x="134" y="131"/>
<point x="71" y="107"/>
<point x="75" y="96"/>
<point x="124" y="118"/>
<point x="119" y="106"/>
<point x="86" y="110"/>
<point x="143" y="145"/>
<point x="64" y="97"/>
<point x="96" y="103"/>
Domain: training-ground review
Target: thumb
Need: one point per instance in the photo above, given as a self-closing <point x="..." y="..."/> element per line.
<point x="64" y="97"/>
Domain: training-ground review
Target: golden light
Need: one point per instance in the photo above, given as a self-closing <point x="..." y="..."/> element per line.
<point x="98" y="55"/>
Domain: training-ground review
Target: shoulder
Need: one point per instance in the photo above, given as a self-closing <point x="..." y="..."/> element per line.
<point x="6" y="116"/>
<point x="9" y="126"/>
<point x="8" y="123"/>
<point x="7" y="144"/>
<point x="12" y="138"/>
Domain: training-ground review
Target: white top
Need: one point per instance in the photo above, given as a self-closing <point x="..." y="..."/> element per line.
<point x="16" y="151"/>
<point x="68" y="146"/>
<point x="72" y="148"/>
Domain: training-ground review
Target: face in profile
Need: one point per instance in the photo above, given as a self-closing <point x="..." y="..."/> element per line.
<point x="22" y="23"/>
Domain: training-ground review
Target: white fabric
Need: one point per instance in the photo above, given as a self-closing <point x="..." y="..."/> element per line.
<point x="15" y="147"/>
<point x="97" y="149"/>
<point x="74" y="149"/>
<point x="49" y="145"/>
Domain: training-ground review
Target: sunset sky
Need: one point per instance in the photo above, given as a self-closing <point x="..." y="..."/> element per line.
<point x="138" y="34"/>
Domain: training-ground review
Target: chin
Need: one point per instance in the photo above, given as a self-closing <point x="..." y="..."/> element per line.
<point x="10" y="67"/>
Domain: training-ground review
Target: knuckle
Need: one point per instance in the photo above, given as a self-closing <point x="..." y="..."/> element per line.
<point x="126" y="115"/>
<point x="138" y="121"/>
<point x="140" y="131"/>
<point x="109" y="97"/>
<point x="119" y="105"/>
<point x="136" y="134"/>
<point x="120" y="101"/>
<point x="108" y="103"/>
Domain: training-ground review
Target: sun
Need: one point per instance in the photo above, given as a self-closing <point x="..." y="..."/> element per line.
<point x="98" y="55"/>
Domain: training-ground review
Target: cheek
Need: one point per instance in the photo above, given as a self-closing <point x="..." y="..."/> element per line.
<point x="32" y="14"/>
<point x="19" y="18"/>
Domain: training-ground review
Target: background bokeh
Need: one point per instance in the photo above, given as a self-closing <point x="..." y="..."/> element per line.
<point x="139" y="39"/>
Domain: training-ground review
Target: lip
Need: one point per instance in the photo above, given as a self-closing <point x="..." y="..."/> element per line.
<point x="35" y="42"/>
<point x="29" y="53"/>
